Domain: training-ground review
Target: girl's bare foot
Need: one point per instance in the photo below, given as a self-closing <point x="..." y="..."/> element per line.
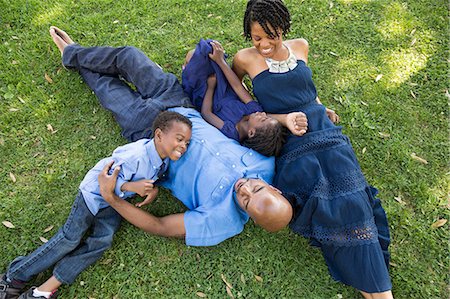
<point x="60" y="38"/>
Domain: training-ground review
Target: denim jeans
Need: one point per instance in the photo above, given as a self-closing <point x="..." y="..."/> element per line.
<point x="66" y="249"/>
<point x="103" y="68"/>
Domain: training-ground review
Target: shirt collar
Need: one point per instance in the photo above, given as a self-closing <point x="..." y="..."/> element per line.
<point x="155" y="159"/>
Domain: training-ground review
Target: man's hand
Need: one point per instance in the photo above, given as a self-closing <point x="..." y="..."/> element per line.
<point x="297" y="123"/>
<point x="108" y="182"/>
<point x="151" y="195"/>
<point x="332" y="115"/>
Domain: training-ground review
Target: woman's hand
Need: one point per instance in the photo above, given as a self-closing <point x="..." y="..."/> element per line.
<point x="297" y="123"/>
<point x="332" y="115"/>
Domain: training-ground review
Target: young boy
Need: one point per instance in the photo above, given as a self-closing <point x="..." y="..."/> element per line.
<point x="142" y="163"/>
<point x="233" y="111"/>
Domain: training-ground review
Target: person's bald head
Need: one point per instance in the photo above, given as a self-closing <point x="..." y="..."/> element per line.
<point x="264" y="204"/>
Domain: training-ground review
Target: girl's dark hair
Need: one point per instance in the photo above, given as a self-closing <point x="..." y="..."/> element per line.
<point x="165" y="119"/>
<point x="267" y="12"/>
<point x="268" y="140"/>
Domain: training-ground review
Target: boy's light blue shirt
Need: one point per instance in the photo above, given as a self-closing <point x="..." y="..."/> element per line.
<point x="204" y="178"/>
<point x="138" y="161"/>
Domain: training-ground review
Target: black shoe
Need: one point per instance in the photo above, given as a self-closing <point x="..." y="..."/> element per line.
<point x="29" y="295"/>
<point x="10" y="290"/>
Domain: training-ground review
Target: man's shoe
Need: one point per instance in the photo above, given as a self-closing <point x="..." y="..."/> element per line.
<point x="29" y="295"/>
<point x="10" y="290"/>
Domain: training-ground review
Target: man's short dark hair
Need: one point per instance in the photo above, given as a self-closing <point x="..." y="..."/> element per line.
<point x="268" y="140"/>
<point x="165" y="119"/>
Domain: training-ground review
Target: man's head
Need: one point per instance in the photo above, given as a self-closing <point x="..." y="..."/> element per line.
<point x="265" y="135"/>
<point x="172" y="133"/>
<point x="263" y="203"/>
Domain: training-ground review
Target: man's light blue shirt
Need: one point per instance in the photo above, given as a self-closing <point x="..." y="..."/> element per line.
<point x="203" y="179"/>
<point x="138" y="161"/>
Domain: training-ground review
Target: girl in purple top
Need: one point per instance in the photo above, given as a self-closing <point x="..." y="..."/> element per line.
<point x="224" y="102"/>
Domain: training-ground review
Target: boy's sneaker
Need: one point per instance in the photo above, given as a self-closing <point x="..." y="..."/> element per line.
<point x="29" y="295"/>
<point x="10" y="290"/>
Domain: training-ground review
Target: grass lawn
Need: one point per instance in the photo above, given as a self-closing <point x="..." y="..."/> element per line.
<point x="382" y="65"/>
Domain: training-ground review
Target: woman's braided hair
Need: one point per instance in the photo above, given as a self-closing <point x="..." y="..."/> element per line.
<point x="267" y="12"/>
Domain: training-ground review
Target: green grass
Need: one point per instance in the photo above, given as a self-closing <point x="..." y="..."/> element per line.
<point x="351" y="43"/>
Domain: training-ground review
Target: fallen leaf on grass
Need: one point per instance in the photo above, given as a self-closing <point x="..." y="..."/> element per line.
<point x="13" y="177"/>
<point x="378" y="78"/>
<point x="439" y="223"/>
<point x="413" y="94"/>
<point x="364" y="150"/>
<point x="13" y="109"/>
<point x="116" y="21"/>
<point x="393" y="264"/>
<point x="225" y="281"/>
<point x="43" y="240"/>
<point x="384" y="135"/>
<point x="229" y="292"/>
<point x="243" y="278"/>
<point x="201" y="295"/>
<point x="419" y="159"/>
<point x="93" y="137"/>
<point x="334" y="54"/>
<point x="47" y="77"/>
<point x="399" y="199"/>
<point x="413" y="42"/>
<point x="258" y="278"/>
<point x="50" y="128"/>
<point x="48" y="229"/>
<point x="8" y="224"/>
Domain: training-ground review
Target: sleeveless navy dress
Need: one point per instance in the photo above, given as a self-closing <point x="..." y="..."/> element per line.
<point x="319" y="174"/>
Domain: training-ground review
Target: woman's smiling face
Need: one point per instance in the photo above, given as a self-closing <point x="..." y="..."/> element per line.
<point x="266" y="45"/>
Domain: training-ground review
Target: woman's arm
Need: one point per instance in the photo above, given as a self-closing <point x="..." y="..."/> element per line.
<point x="333" y="116"/>
<point x="218" y="56"/>
<point x="296" y="122"/>
<point x="207" y="105"/>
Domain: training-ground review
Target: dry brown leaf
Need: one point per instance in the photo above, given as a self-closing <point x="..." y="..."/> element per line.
<point x="258" y="278"/>
<point x="243" y="278"/>
<point x="47" y="77"/>
<point x="412" y="32"/>
<point x="419" y="159"/>
<point x="399" y="199"/>
<point x="225" y="281"/>
<point x="48" y="229"/>
<point x="229" y="292"/>
<point x="413" y="41"/>
<point x="334" y="54"/>
<point x="43" y="240"/>
<point x="413" y="94"/>
<point x="13" y="177"/>
<point x="364" y="150"/>
<point x="13" y="109"/>
<point x="8" y="224"/>
<point x="93" y="137"/>
<point x="50" y="127"/>
<point x="384" y="135"/>
<point x="393" y="264"/>
<point x="439" y="223"/>
<point x="378" y="78"/>
<point x="201" y="295"/>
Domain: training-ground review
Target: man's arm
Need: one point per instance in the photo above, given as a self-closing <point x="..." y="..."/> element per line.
<point x="167" y="226"/>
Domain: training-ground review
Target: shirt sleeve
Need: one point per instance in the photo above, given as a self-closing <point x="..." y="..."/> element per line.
<point x="208" y="228"/>
<point x="229" y="130"/>
<point x="127" y="171"/>
<point x="252" y="106"/>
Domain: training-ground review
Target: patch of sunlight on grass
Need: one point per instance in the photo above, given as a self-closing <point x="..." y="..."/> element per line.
<point x="357" y="67"/>
<point x="49" y="15"/>
<point x="401" y="64"/>
<point x="395" y="23"/>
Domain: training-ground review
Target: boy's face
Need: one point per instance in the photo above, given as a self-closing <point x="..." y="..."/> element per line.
<point x="260" y="119"/>
<point x="174" y="142"/>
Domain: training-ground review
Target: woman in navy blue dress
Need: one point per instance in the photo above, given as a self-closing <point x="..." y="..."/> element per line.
<point x="318" y="172"/>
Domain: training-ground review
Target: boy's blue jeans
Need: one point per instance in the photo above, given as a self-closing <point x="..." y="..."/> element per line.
<point x="103" y="68"/>
<point x="67" y="250"/>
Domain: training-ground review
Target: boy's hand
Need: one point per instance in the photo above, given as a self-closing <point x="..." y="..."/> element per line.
<point x="332" y="115"/>
<point x="108" y="182"/>
<point x="151" y="195"/>
<point x="142" y="187"/>
<point x="218" y="54"/>
<point x="297" y="123"/>
<point x="212" y="81"/>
